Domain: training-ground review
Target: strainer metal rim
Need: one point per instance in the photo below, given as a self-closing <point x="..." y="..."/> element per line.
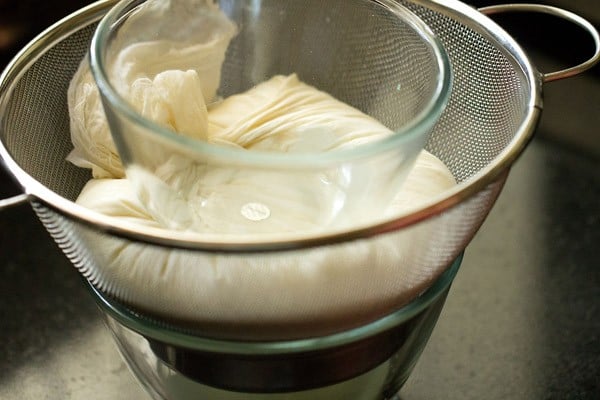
<point x="419" y="126"/>
<point x="496" y="170"/>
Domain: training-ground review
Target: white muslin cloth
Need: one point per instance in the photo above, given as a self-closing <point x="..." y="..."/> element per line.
<point x="271" y="295"/>
<point x="287" y="294"/>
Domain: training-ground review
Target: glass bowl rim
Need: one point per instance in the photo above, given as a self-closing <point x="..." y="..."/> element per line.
<point x="152" y="328"/>
<point x="417" y="127"/>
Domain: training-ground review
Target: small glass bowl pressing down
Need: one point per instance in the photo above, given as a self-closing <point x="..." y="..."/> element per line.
<point x="375" y="56"/>
<point x="370" y="362"/>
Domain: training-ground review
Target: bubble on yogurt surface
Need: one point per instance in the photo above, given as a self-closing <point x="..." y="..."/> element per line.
<point x="255" y="211"/>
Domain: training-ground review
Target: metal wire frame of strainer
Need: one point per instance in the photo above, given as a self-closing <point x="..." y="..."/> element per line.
<point x="493" y="110"/>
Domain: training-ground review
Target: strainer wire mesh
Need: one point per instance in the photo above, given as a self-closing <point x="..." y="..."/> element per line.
<point x="490" y="106"/>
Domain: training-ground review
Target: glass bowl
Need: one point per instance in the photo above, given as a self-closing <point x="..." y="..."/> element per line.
<point x="370" y="362"/>
<point x="374" y="56"/>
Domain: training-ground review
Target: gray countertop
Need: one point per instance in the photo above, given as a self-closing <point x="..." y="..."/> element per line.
<point x="522" y="320"/>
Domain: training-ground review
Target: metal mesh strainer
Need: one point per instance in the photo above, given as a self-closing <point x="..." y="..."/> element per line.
<point x="493" y="110"/>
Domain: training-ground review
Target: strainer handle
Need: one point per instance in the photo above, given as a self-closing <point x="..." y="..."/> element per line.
<point x="558" y="12"/>
<point x="13" y="201"/>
